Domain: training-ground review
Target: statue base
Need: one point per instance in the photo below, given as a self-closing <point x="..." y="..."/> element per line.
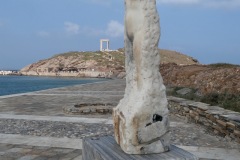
<point x="106" y="148"/>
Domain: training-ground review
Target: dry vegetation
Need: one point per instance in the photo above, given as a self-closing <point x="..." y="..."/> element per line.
<point x="217" y="84"/>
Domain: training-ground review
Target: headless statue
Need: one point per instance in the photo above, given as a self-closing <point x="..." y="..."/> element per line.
<point x="141" y="124"/>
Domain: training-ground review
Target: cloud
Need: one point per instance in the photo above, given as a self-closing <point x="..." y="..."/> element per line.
<point x="205" y="3"/>
<point x="43" y="34"/>
<point x="72" y="28"/>
<point x="114" y="29"/>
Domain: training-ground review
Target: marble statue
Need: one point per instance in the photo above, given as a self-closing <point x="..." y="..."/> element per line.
<point x="141" y="124"/>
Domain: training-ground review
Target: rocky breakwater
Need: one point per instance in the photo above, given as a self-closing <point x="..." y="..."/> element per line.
<point x="218" y="120"/>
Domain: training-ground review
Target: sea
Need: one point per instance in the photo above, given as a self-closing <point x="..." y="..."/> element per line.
<point x="22" y="84"/>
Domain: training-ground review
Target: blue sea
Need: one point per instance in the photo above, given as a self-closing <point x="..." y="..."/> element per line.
<point x="22" y="84"/>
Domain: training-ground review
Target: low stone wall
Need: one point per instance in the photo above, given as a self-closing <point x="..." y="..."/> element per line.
<point x="89" y="108"/>
<point x="222" y="122"/>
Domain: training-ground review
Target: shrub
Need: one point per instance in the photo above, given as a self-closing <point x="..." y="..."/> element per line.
<point x="223" y="65"/>
<point x="226" y="101"/>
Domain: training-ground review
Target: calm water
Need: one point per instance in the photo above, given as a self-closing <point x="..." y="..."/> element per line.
<point x="21" y="84"/>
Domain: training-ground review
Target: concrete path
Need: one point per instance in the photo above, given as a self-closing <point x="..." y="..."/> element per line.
<point x="213" y="153"/>
<point x="47" y="106"/>
<point x="58" y="119"/>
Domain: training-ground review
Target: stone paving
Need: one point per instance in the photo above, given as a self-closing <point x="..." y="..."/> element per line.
<point x="26" y="152"/>
<point x="51" y="102"/>
<point x="34" y="126"/>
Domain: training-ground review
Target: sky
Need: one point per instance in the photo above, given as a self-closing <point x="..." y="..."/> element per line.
<point x="31" y="30"/>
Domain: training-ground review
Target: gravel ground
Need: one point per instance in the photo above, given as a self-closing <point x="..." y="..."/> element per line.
<point x="54" y="129"/>
<point x="186" y="134"/>
<point x="191" y="134"/>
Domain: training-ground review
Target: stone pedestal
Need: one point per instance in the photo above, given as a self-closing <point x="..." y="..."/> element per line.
<point x="106" y="148"/>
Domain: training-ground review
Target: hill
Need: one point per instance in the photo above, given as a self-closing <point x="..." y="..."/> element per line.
<point x="215" y="84"/>
<point x="94" y="64"/>
<point x="214" y="78"/>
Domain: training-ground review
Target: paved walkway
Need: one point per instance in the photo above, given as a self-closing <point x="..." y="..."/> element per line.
<point x="20" y="114"/>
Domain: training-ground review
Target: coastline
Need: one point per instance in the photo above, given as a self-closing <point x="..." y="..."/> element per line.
<point x="45" y="90"/>
<point x="12" y="86"/>
<point x="82" y="74"/>
<point x="85" y="74"/>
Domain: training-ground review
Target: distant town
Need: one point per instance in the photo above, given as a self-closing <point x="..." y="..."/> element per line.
<point x="9" y="72"/>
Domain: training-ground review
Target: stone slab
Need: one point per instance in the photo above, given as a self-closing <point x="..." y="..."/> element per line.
<point x="176" y="99"/>
<point x="105" y="148"/>
<point x="41" y="141"/>
<point x="203" y="106"/>
<point x="233" y="117"/>
<point x="213" y="153"/>
<point x="216" y="108"/>
<point x="58" y="119"/>
<point x="184" y="91"/>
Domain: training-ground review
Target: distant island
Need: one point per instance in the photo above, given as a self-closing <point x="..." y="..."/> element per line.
<point x="102" y="64"/>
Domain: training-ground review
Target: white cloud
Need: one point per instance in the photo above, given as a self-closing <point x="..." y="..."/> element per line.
<point x="205" y="3"/>
<point x="115" y="29"/>
<point x="72" y="28"/>
<point x="43" y="34"/>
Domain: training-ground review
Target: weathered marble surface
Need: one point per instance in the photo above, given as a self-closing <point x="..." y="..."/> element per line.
<point x="141" y="118"/>
<point x="98" y="148"/>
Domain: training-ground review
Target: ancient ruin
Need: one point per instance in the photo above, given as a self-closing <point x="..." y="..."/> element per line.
<point x="101" y="44"/>
<point x="141" y="122"/>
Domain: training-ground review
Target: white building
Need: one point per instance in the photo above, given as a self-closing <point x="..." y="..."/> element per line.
<point x="5" y="72"/>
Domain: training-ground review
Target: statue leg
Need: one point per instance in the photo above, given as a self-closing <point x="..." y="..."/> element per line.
<point x="119" y="119"/>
